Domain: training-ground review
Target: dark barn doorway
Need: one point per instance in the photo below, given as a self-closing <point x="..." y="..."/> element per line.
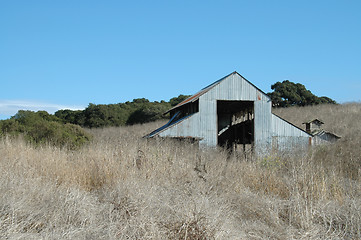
<point x="236" y="124"/>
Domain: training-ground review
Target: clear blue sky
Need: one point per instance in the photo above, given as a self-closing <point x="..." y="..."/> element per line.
<point x="67" y="54"/>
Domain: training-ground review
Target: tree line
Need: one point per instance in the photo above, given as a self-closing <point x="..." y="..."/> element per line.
<point x="65" y="128"/>
<point x="140" y="110"/>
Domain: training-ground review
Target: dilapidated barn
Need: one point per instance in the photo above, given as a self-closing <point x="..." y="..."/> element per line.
<point x="232" y="112"/>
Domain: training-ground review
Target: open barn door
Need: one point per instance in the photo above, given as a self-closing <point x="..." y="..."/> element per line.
<point x="235" y="124"/>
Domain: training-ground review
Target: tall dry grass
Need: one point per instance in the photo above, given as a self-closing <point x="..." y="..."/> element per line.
<point x="124" y="187"/>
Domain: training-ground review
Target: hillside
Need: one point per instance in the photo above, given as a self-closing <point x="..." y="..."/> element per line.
<point x="121" y="186"/>
<point x="341" y="119"/>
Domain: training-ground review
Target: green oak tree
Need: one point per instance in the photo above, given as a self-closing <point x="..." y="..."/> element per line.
<point x="287" y="93"/>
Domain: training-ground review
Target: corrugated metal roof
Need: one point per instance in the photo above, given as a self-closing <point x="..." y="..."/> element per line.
<point x="196" y="96"/>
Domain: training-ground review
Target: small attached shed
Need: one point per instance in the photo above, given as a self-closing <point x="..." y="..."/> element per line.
<point x="230" y="112"/>
<point x="320" y="136"/>
<point x="313" y="126"/>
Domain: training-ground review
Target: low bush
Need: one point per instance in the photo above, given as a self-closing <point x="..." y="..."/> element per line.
<point x="42" y="128"/>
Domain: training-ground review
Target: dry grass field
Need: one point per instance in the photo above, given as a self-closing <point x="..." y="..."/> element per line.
<point x="124" y="187"/>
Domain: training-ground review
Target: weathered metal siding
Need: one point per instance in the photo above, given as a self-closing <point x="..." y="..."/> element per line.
<point x="208" y="122"/>
<point x="262" y="126"/>
<point x="186" y="128"/>
<point x="234" y="87"/>
<point x="282" y="128"/>
<point x="286" y="135"/>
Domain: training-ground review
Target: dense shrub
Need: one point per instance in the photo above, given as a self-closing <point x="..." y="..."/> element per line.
<point x="42" y="128"/>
